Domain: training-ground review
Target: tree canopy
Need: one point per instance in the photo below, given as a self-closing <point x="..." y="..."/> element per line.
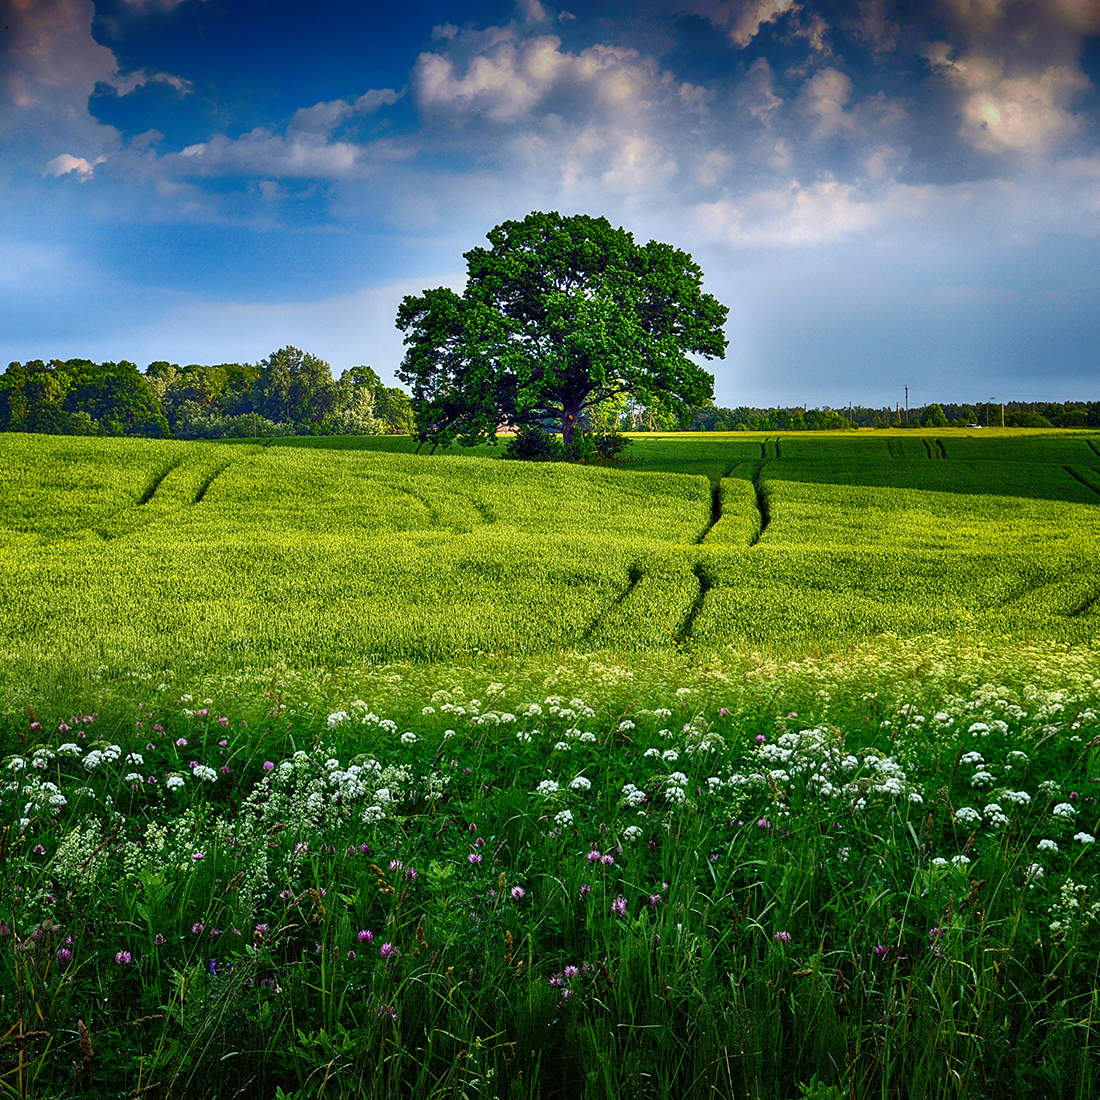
<point x="558" y="315"/>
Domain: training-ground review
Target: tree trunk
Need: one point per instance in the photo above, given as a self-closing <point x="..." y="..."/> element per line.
<point x="570" y="418"/>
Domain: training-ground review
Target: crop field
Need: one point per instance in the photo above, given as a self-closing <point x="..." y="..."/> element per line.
<point x="126" y="555"/>
<point x="751" y="766"/>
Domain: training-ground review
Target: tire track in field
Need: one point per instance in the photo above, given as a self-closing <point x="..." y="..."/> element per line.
<point x="1088" y="484"/>
<point x="893" y="449"/>
<point x="154" y="485"/>
<point x="1092" y="447"/>
<point x="716" y="504"/>
<point x="1084" y="607"/>
<point x="683" y="635"/>
<point x="777" y="454"/>
<point x="928" y="448"/>
<point x="207" y="482"/>
<point x="634" y="575"/>
<point x="478" y="505"/>
<point x="943" y="449"/>
<point x="761" y="504"/>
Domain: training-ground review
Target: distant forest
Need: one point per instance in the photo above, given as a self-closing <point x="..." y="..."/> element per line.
<point x="289" y="393"/>
<point x="1013" y="414"/>
<point x="294" y="393"/>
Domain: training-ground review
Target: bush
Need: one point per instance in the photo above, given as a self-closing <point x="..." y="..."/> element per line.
<point x="535" y="445"/>
<point x="532" y="444"/>
<point x="587" y="446"/>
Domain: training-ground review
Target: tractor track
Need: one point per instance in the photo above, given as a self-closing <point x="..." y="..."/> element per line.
<point x="683" y="636"/>
<point x="207" y="482"/>
<point x="761" y="504"/>
<point x="1082" y="479"/>
<point x="634" y="575"/>
<point x="154" y="485"/>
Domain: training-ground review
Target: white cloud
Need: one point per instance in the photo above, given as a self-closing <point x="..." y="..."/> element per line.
<point x="977" y="16"/>
<point x="52" y="61"/>
<point x="884" y="161"/>
<point x="825" y="97"/>
<point x="323" y="118"/>
<point x="66" y="164"/>
<point x="1029" y="113"/>
<point x="714" y="167"/>
<point x="876" y="27"/>
<point x="510" y="79"/>
<point x="1078" y="15"/>
<point x="261" y="152"/>
<point x="307" y="150"/>
<point x="819" y="213"/>
<point x="813" y="28"/>
<point x="638" y="162"/>
<point x="745" y="20"/>
<point x="532" y="11"/>
<point x="125" y="84"/>
<point x="756" y="92"/>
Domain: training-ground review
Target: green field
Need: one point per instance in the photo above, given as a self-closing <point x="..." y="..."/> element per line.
<point x="750" y="766"/>
<point x="127" y="555"/>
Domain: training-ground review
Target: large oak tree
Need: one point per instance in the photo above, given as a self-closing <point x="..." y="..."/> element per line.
<point x="558" y="315"/>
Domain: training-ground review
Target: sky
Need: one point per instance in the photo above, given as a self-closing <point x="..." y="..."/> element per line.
<point x="884" y="193"/>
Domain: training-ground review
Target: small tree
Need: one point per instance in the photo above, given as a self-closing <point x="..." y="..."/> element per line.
<point x="934" y="417"/>
<point x="559" y="315"/>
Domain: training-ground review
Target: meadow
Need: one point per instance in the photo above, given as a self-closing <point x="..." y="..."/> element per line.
<point x="750" y="766"/>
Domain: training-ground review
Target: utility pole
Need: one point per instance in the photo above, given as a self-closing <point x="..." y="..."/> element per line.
<point x="1002" y="414"/>
<point x="906" y="406"/>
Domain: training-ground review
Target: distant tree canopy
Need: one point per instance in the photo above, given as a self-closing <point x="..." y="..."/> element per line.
<point x="559" y="316"/>
<point x="289" y="393"/>
<point x="1040" y="414"/>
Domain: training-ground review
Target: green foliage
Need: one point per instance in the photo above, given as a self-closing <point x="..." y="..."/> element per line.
<point x="559" y="316"/>
<point x="288" y="393"/>
<point x="534" y="444"/>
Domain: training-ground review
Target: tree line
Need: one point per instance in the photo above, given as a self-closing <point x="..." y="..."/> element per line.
<point x="1017" y="414"/>
<point x="291" y="392"/>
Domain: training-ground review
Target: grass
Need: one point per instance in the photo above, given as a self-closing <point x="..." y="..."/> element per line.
<point x="751" y="766"/>
<point x="246" y="556"/>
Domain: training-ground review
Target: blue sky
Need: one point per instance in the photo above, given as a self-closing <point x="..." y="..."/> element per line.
<point x="884" y="193"/>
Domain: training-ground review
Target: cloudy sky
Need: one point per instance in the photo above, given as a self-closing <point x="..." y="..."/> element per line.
<point x="883" y="192"/>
